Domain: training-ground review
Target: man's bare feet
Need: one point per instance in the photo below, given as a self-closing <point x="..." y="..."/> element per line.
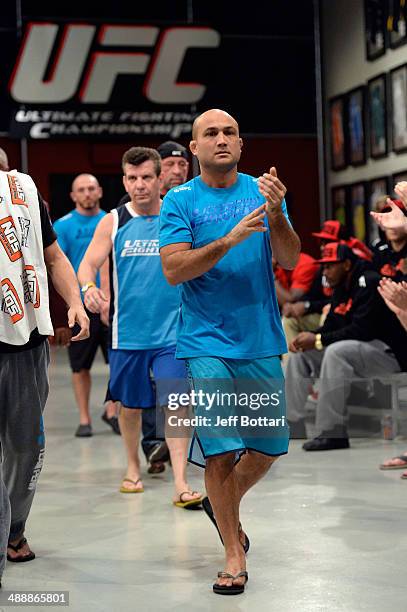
<point x="186" y="498"/>
<point x="395" y="463"/>
<point x="132" y="485"/>
<point x="234" y="564"/>
<point x="19" y="551"/>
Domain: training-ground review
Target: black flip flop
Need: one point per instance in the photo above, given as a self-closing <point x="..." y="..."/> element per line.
<point x="233" y="589"/>
<point x="16" y="548"/>
<point x="206" y="505"/>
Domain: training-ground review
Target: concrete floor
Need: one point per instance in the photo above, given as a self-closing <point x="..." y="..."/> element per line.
<point x="328" y="530"/>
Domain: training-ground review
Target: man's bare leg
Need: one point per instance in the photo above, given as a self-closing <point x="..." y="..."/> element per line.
<point x="251" y="468"/>
<point x="111" y="409"/>
<point x="81" y="383"/>
<point x="178" y="448"/>
<point x="130" y="427"/>
<point x="224" y="494"/>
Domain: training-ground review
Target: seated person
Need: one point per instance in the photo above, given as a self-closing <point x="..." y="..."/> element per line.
<point x="390" y="258"/>
<point x="305" y="314"/>
<point x="291" y="285"/>
<point x="395" y="295"/>
<point x="334" y="231"/>
<point x="360" y="338"/>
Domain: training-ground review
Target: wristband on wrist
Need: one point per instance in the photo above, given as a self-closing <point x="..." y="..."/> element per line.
<point x="87" y="286"/>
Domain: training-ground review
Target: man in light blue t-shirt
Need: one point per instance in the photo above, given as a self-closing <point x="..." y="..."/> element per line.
<point x="143" y="315"/>
<point x="75" y="231"/>
<point x="217" y="235"/>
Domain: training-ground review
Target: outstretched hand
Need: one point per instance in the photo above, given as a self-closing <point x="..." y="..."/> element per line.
<point x="77" y="314"/>
<point x="250" y="224"/>
<point x="94" y="299"/>
<point x="394" y="219"/>
<point x="394" y="294"/>
<point x="401" y="190"/>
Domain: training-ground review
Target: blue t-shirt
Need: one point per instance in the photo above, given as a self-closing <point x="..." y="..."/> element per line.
<point x="230" y="311"/>
<point x="75" y="232"/>
<point x="144" y="307"/>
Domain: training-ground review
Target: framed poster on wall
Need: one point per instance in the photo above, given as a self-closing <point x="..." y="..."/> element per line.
<point x="377" y="112"/>
<point x="339" y="203"/>
<point x="398" y="177"/>
<point x="375" y="28"/>
<point x="396" y="22"/>
<point x="398" y="87"/>
<point x="337" y="131"/>
<point x="357" y="201"/>
<point x="378" y="188"/>
<point x="356" y="126"/>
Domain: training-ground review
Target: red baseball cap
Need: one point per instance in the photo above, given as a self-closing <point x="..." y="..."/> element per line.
<point x="330" y="230"/>
<point x="398" y="203"/>
<point x="334" y="252"/>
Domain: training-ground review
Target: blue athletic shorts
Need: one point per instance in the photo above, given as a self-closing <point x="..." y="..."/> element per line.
<point x="130" y="377"/>
<point x="239" y="405"/>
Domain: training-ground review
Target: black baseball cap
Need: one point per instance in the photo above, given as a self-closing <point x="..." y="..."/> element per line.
<point x="172" y="149"/>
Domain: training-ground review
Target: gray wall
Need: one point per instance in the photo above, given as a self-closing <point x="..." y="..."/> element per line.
<point x="345" y="67"/>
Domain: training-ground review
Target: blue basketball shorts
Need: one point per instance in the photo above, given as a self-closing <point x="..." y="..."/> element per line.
<point x="145" y="378"/>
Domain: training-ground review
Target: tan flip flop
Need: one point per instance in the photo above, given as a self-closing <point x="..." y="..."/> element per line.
<point x="188" y="503"/>
<point x="399" y="466"/>
<point x="126" y="490"/>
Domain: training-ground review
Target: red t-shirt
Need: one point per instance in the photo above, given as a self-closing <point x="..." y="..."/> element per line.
<point x="299" y="278"/>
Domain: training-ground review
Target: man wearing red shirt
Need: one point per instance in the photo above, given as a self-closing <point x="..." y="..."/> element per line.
<point x="292" y="286"/>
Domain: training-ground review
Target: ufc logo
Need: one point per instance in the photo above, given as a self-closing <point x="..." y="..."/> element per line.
<point x="9" y="239"/>
<point x="32" y="83"/>
<point x="30" y="286"/>
<point x="11" y="301"/>
<point x="16" y="191"/>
